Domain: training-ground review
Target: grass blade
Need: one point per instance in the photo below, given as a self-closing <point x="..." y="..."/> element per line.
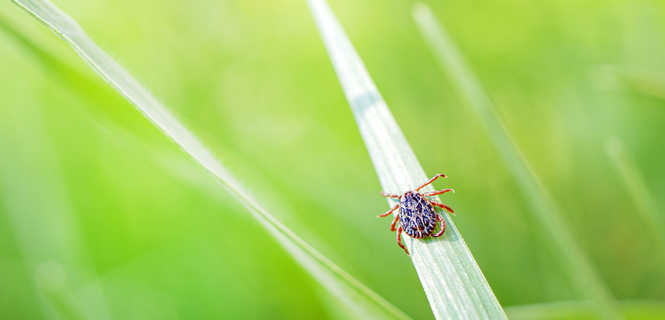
<point x="47" y="231"/>
<point x="649" y="84"/>
<point x="636" y="187"/>
<point x="364" y="302"/>
<point x="585" y="277"/>
<point x="453" y="282"/>
<point x="631" y="309"/>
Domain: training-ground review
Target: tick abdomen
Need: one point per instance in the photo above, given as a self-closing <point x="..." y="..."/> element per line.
<point x="416" y="216"/>
<point x="416" y="213"/>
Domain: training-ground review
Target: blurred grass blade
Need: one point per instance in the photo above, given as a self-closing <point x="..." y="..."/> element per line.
<point x="552" y="310"/>
<point x="646" y="83"/>
<point x="453" y="282"/>
<point x="363" y="301"/>
<point x="82" y="83"/>
<point x="636" y="187"/>
<point x="585" y="277"/>
<point x="189" y="174"/>
<point x="631" y="309"/>
<point x="46" y="229"/>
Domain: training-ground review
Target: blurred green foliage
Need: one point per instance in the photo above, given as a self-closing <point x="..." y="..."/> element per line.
<point x="93" y="196"/>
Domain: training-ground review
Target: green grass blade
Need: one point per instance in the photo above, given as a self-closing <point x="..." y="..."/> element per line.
<point x="647" y="83"/>
<point x="46" y="229"/>
<point x="637" y="188"/>
<point x="451" y="278"/>
<point x="187" y="173"/>
<point x="577" y="310"/>
<point x="363" y="301"/>
<point x="543" y="207"/>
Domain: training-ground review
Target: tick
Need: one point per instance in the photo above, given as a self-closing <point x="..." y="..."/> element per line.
<point x="417" y="216"/>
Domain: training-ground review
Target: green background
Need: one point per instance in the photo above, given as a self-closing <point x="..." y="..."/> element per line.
<point x="93" y="196"/>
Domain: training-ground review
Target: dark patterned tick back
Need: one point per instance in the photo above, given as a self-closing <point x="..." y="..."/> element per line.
<point x="417" y="216"/>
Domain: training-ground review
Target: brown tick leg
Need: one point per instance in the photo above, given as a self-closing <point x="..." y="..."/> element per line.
<point x="389" y="211"/>
<point x="399" y="240"/>
<point x="443" y="206"/>
<point x="430" y="181"/>
<point x="392" y="225"/>
<point x="443" y="226"/>
<point x="435" y="193"/>
<point x="388" y="195"/>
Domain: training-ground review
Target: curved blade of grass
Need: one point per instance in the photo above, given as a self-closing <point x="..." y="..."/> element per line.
<point x="584" y="276"/>
<point x="453" y="282"/>
<point x="636" y="187"/>
<point x="363" y="301"/>
<point x="66" y="74"/>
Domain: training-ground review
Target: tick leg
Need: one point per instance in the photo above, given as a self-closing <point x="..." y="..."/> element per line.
<point x="389" y="211"/>
<point x="388" y="195"/>
<point x="443" y="206"/>
<point x="443" y="225"/>
<point x="399" y="240"/>
<point x="392" y="225"/>
<point x="431" y="180"/>
<point x="429" y="194"/>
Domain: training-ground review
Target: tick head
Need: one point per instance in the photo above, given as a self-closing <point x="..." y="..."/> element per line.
<point x="407" y="196"/>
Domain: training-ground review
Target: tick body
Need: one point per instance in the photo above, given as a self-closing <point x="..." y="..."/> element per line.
<point x="417" y="216"/>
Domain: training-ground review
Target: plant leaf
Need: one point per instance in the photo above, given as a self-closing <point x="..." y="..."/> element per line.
<point x="584" y="276"/>
<point x="453" y="282"/>
<point x="364" y="302"/>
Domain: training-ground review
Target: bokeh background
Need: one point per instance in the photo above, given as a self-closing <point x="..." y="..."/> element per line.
<point x="102" y="215"/>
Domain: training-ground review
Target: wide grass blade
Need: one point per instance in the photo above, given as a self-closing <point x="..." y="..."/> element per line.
<point x="542" y="206"/>
<point x="364" y="302"/>
<point x="453" y="282"/>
